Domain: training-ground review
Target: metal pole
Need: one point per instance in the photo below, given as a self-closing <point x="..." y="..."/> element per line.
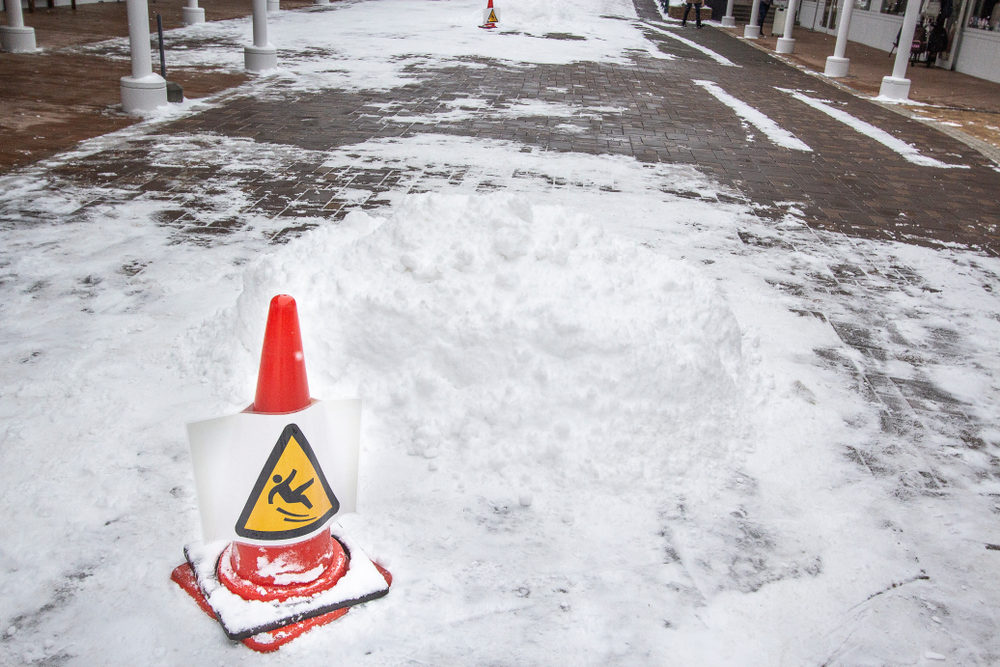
<point x="159" y="34"/>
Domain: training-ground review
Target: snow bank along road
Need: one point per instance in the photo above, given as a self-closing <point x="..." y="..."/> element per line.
<point x="670" y="353"/>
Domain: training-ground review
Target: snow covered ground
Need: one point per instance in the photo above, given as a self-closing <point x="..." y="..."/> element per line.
<point x="603" y="423"/>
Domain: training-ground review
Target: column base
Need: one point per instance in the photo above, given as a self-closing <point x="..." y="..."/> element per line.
<point x="785" y="45"/>
<point x="321" y="2"/>
<point x="728" y="22"/>
<point x="751" y="31"/>
<point x="17" y="39"/>
<point x="193" y="15"/>
<point x="144" y="93"/>
<point x="894" y="88"/>
<point x="260" y="58"/>
<point x="272" y="5"/>
<point x="836" y="67"/>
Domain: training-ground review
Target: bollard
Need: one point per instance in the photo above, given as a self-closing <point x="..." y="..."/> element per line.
<point x="144" y="90"/>
<point x="15" y="37"/>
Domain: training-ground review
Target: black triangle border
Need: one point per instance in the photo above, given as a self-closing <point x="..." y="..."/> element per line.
<point x="289" y="432"/>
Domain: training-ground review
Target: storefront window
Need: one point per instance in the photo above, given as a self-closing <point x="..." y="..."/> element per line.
<point x="894" y="6"/>
<point x="985" y="15"/>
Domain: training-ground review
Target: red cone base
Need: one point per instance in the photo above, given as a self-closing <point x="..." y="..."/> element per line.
<point x="272" y="640"/>
<point x="279" y="573"/>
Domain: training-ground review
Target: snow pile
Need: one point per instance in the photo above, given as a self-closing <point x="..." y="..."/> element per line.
<point x="558" y="15"/>
<point x="514" y="336"/>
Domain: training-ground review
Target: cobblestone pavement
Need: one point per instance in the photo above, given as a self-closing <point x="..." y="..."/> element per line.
<point x="51" y="99"/>
<point x="848" y="183"/>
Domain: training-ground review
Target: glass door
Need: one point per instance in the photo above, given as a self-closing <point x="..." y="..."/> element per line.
<point x="830" y="15"/>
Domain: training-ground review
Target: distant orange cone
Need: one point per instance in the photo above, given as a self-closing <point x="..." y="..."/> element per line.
<point x="490" y="16"/>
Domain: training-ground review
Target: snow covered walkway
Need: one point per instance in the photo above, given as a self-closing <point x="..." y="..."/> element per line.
<point x="642" y="384"/>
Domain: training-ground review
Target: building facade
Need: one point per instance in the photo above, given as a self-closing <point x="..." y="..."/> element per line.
<point x="973" y="28"/>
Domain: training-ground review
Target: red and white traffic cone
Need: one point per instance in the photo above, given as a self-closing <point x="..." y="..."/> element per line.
<point x="299" y="578"/>
<point x="254" y="571"/>
<point x="490" y="16"/>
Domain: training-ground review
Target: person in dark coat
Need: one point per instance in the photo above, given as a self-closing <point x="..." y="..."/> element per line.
<point x="937" y="42"/>
<point x="762" y="14"/>
<point x="696" y="4"/>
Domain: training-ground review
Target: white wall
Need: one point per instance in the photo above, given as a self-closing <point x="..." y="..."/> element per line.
<point x="808" y="13"/>
<point x="979" y="54"/>
<point x="875" y="29"/>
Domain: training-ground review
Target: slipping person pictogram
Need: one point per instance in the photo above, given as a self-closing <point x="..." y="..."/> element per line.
<point x="278" y="507"/>
<point x="287" y="493"/>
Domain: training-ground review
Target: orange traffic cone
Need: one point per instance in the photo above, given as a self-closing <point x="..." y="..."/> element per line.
<point x="291" y="573"/>
<point x="490" y="16"/>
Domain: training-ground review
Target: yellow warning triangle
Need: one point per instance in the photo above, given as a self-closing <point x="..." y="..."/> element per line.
<point x="492" y="18"/>
<point x="291" y="497"/>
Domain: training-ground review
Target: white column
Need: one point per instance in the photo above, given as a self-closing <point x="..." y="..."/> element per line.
<point x="261" y="56"/>
<point x="143" y="90"/>
<point x="786" y="44"/>
<point x="193" y="13"/>
<point x="752" y="30"/>
<point x="15" y="37"/>
<point x="729" y="21"/>
<point x="837" y="64"/>
<point x="897" y="86"/>
<point x="272" y="5"/>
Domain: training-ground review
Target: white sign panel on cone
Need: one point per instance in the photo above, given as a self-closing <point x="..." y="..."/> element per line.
<point x="276" y="478"/>
<point x="491" y="15"/>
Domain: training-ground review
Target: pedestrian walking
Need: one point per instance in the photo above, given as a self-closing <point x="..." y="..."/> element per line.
<point x="696" y="4"/>
<point x="937" y="42"/>
<point x="762" y="15"/>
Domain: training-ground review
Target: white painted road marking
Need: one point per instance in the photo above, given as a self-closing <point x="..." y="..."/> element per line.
<point x="722" y="60"/>
<point x="774" y="132"/>
<point x="907" y="151"/>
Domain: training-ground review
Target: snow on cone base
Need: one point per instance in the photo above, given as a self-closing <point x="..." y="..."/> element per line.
<point x="244" y="619"/>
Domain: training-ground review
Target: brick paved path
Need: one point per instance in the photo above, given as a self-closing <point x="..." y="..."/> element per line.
<point x="848" y="183"/>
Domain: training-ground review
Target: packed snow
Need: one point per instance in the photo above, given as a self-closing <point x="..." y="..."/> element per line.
<point x="604" y="421"/>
